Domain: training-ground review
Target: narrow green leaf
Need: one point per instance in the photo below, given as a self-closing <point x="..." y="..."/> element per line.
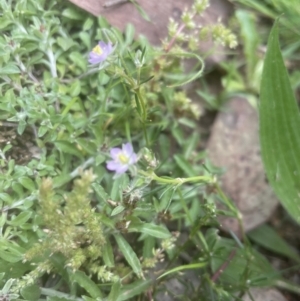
<point x="78" y="60"/>
<point x="4" y="22"/>
<point x="117" y="210"/>
<point x="133" y="289"/>
<point x="108" y="255"/>
<point x="279" y="129"/>
<point x="88" y="24"/>
<point x="6" y="197"/>
<point x="10" y="68"/>
<point x="191" y="266"/>
<point x="67" y="147"/>
<point x="7" y="286"/>
<point x="75" y="88"/>
<point x="141" y="10"/>
<point x="115" y="292"/>
<point x="65" y="43"/>
<point x="59" y="299"/>
<point x="27" y="183"/>
<point x="150" y="229"/>
<point x="73" y="14"/>
<point x="21" y="219"/>
<point x="10" y="257"/>
<point x="129" y="34"/>
<point x="31" y="292"/>
<point x="184" y="165"/>
<point x="100" y="192"/>
<point x="54" y="295"/>
<point x="267" y="237"/>
<point x="129" y="254"/>
<point x="149" y="245"/>
<point x="89" y="285"/>
<point x="250" y="36"/>
<point x="240" y="261"/>
<point x="3" y="219"/>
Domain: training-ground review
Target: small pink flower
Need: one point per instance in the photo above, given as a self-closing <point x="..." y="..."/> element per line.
<point x="122" y="159"/>
<point x="100" y="53"/>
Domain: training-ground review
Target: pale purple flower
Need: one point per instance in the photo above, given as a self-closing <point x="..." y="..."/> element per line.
<point x="100" y="53"/>
<point x="122" y="159"/>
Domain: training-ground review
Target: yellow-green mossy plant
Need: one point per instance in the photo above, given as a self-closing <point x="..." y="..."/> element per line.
<point x="71" y="226"/>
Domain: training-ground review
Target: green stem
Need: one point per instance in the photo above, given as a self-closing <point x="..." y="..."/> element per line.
<point x="142" y="104"/>
<point x="180" y="181"/>
<point x="146" y="135"/>
<point x="231" y="206"/>
<point x="288" y="286"/>
<point x="52" y="62"/>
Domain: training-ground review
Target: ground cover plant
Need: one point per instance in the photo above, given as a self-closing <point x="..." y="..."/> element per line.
<point x="105" y="193"/>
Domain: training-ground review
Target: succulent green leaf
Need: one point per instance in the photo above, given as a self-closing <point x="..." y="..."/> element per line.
<point x="279" y="129"/>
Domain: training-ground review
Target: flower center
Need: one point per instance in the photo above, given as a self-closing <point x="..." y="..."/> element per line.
<point x="98" y="50"/>
<point x="123" y="159"/>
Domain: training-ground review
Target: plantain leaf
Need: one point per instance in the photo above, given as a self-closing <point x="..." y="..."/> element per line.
<point x="279" y="129"/>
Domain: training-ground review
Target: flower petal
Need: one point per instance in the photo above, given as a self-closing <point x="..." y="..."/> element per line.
<point x="100" y="53"/>
<point x="133" y="159"/>
<point x="113" y="165"/>
<point x="127" y="149"/>
<point x="106" y="48"/>
<point x="115" y="152"/>
<point x="122" y="169"/>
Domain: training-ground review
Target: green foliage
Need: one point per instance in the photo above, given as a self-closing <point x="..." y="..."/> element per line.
<point x="70" y="229"/>
<point x="289" y="10"/>
<point x="267" y="237"/>
<point x="279" y="121"/>
<point x="73" y="228"/>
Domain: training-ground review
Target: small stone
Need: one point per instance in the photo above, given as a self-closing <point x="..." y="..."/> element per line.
<point x="234" y="146"/>
<point x="264" y="294"/>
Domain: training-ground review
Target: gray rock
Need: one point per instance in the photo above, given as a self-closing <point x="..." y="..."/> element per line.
<point x="234" y="145"/>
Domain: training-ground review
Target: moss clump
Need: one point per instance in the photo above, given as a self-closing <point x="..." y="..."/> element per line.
<point x="71" y="226"/>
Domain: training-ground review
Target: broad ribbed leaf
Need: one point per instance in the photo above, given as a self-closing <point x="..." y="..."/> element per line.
<point x="279" y="129"/>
